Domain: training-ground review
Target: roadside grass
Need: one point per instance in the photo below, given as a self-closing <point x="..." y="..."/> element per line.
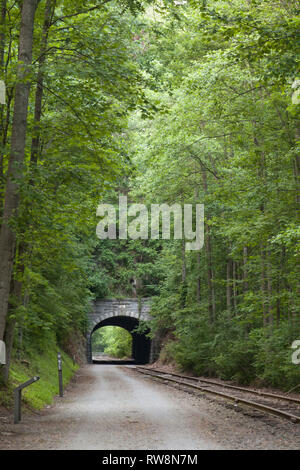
<point x="44" y="365"/>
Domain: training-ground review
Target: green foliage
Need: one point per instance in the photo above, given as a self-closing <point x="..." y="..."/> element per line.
<point x="90" y="83"/>
<point x="117" y="265"/>
<point x="226" y="136"/>
<point x="112" y="341"/>
<point x="186" y="103"/>
<point x="263" y="356"/>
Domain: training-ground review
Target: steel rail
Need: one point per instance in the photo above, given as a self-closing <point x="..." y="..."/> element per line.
<point x="235" y="399"/>
<point x="233" y="387"/>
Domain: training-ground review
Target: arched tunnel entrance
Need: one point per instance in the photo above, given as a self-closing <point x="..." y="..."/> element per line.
<point x="141" y="344"/>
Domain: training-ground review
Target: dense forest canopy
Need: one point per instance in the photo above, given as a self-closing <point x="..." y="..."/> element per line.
<point x="192" y="102"/>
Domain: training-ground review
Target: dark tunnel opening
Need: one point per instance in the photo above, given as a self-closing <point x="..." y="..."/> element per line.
<point x="141" y="344"/>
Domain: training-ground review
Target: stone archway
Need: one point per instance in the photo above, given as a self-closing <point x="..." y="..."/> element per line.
<point x="126" y="313"/>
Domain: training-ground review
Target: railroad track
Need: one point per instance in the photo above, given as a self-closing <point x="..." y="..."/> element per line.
<point x="278" y="405"/>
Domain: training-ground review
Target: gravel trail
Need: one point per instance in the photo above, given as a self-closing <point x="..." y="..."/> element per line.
<point x="111" y="407"/>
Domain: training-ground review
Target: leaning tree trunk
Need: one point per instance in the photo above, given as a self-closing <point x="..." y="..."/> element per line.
<point x="17" y="152"/>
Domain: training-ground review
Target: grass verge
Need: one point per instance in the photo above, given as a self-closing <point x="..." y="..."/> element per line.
<point x="44" y="365"/>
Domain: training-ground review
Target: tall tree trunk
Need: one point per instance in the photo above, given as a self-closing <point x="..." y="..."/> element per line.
<point x="17" y="153"/>
<point x="198" y="277"/>
<point x="278" y="310"/>
<point x="17" y="285"/>
<point x="269" y="287"/>
<point x="210" y="272"/>
<point x="183" y="287"/>
<point x="297" y="169"/>
<point x="198" y="256"/>
<point x="8" y="339"/>
<point x="228" y="284"/>
<point x="49" y="11"/>
<point x="5" y="122"/>
<point x="234" y="288"/>
<point x="2" y="50"/>
<point x="10" y="326"/>
<point x="183" y="275"/>
<point x="263" y="286"/>
<point x="245" y="274"/>
<point x="3" y="8"/>
<point x="210" y="277"/>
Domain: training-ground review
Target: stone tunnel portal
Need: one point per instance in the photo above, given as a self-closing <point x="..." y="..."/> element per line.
<point x="141" y="344"/>
<point x="126" y="313"/>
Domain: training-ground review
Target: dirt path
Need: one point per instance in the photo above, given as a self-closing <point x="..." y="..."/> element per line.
<point x="112" y="407"/>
